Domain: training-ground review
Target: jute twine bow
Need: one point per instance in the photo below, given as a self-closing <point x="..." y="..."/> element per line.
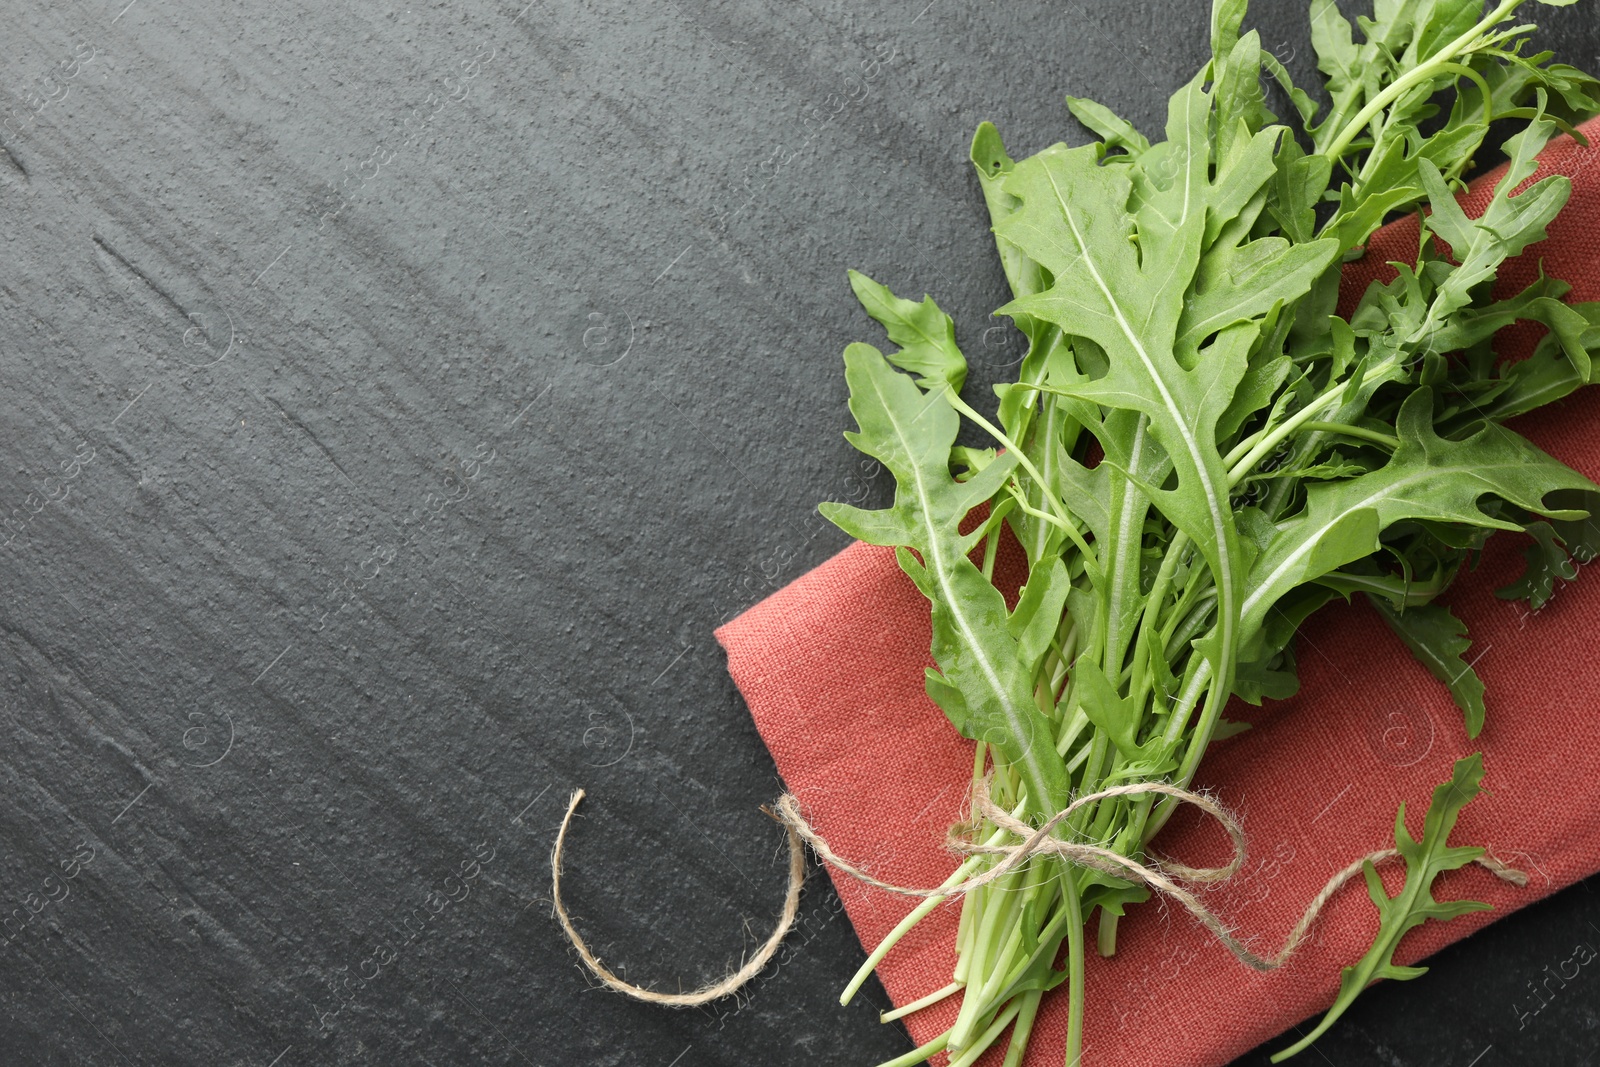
<point x="1162" y="876"/>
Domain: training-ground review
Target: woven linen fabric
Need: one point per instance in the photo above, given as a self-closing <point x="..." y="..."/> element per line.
<point x="831" y="667"/>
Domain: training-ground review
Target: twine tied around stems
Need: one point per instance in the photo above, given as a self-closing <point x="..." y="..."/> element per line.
<point x="1163" y="876"/>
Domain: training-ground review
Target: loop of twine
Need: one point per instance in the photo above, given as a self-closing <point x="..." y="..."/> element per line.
<point x="706" y="993"/>
<point x="1162" y="876"/>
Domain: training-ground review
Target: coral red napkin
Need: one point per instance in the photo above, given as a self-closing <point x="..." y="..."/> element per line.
<point x="831" y="667"/>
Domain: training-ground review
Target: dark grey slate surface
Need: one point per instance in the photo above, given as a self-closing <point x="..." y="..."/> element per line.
<point x="393" y="399"/>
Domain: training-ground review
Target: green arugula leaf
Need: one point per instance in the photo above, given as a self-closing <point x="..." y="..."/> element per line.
<point x="1548" y="563"/>
<point x="1507" y="226"/>
<point x="1580" y="536"/>
<point x="982" y="683"/>
<point x="1438" y="640"/>
<point x="1342" y="63"/>
<point x="1549" y="374"/>
<point x="1428" y="477"/>
<point x="1130" y="301"/>
<point x="989" y="159"/>
<point x="925" y="334"/>
<point x="1115" y="131"/>
<point x="1414" y="904"/>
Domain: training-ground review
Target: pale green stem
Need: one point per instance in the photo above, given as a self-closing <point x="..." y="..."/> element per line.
<point x="1158" y="593"/>
<point x="1006" y="963"/>
<point x="966" y="931"/>
<point x="1267" y="440"/>
<point x="1348" y="430"/>
<point x="1011" y="447"/>
<point x="1066" y="527"/>
<point x="1003" y="907"/>
<point x="991" y="548"/>
<point x="1070" y="730"/>
<point x="970" y="1056"/>
<point x="1069" y="893"/>
<point x="1023" y="1029"/>
<point x="920" y="1054"/>
<point x="1106" y="934"/>
<point x="1414" y="76"/>
<point x="917" y="1005"/>
<point x="916" y="915"/>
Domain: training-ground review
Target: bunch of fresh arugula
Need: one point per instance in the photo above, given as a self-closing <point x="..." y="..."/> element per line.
<point x="1261" y="454"/>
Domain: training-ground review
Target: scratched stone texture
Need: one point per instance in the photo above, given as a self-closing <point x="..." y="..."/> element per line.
<point x="392" y="401"/>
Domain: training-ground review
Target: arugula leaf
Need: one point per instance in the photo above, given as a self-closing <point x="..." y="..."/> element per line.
<point x="1551" y="373"/>
<point x="1428" y="477"/>
<point x="1548" y="563"/>
<point x="1414" y="904"/>
<point x="981" y="683"/>
<point x="1129" y="299"/>
<point x="925" y="334"/>
<point x="1507" y="226"/>
<point x="1438" y="640"/>
<point x="1115" y="131"/>
<point x="1580" y="536"/>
